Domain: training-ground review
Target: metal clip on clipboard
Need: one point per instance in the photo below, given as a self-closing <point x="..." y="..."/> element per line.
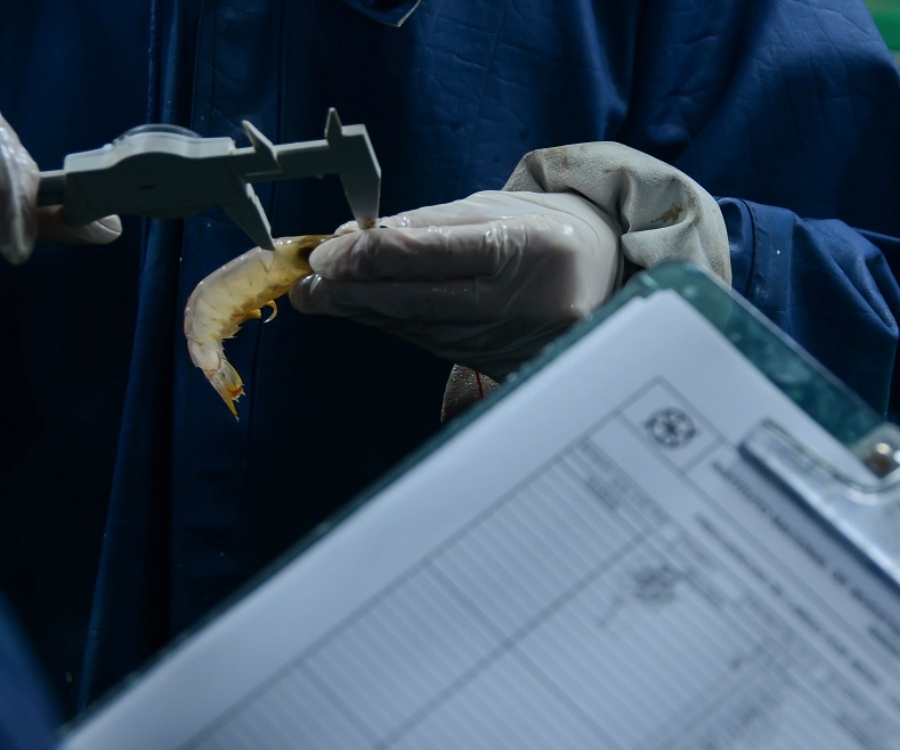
<point x="864" y="507"/>
<point x="165" y="171"/>
<point x="866" y="512"/>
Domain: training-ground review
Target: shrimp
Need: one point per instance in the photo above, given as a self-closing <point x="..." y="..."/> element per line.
<point x="236" y="293"/>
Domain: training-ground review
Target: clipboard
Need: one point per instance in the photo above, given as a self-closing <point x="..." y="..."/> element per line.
<point x="862" y="508"/>
<point x="670" y="530"/>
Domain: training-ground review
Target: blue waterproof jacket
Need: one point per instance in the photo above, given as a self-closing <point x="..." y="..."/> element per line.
<point x="130" y="491"/>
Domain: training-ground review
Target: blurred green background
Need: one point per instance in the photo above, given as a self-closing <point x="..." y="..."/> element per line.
<point x="887" y="17"/>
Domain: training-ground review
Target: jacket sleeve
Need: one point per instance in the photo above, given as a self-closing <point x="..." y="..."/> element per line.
<point x="825" y="284"/>
<point x="791" y="111"/>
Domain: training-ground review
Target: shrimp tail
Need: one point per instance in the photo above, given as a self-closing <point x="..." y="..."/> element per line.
<point x="219" y="371"/>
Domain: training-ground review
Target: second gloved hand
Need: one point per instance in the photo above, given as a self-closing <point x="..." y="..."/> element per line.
<point x="486" y="281"/>
<point x="22" y="222"/>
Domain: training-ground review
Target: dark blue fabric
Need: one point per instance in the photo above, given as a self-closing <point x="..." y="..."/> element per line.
<point x="28" y="716"/>
<point x="787" y="110"/>
<point x="72" y="77"/>
<point x="824" y="284"/>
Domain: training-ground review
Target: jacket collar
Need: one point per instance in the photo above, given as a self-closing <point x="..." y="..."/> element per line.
<point x="388" y="12"/>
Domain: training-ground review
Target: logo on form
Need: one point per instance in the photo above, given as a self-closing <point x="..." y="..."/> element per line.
<point x="670" y="427"/>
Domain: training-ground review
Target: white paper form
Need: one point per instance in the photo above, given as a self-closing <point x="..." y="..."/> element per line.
<point x="588" y="564"/>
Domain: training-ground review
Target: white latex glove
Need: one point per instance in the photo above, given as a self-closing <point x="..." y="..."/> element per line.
<point x="21" y="221"/>
<point x="485" y="281"/>
<point x="488" y="280"/>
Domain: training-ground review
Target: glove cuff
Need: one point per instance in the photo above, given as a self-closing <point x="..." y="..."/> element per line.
<point x="663" y="214"/>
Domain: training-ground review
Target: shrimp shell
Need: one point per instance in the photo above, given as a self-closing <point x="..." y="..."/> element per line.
<point x="235" y="293"/>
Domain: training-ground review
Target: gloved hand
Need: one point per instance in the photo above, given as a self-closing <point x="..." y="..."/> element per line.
<point x="488" y="280"/>
<point x="21" y="221"/>
<point x="485" y="281"/>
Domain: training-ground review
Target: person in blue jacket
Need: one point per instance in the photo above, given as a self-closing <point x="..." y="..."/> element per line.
<point x="144" y="502"/>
